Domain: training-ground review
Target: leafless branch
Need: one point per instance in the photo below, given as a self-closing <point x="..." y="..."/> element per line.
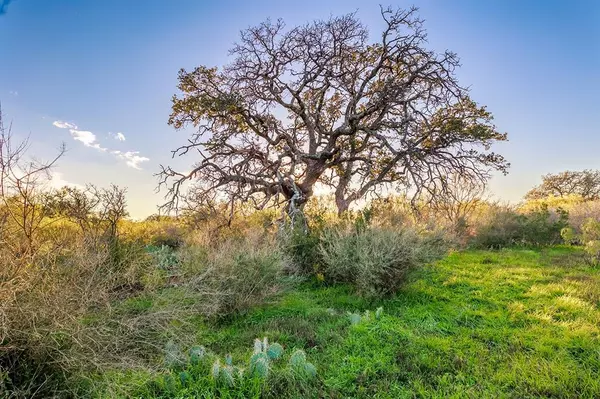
<point x="319" y="103"/>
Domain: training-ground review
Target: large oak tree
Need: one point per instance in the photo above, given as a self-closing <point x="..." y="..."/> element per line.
<point x="320" y="103"/>
<point x="585" y="183"/>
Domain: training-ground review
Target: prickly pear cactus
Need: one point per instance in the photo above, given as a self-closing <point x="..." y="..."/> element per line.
<point x="274" y="351"/>
<point x="355" y="318"/>
<point x="215" y="370"/>
<point x="298" y="358"/>
<point x="300" y="367"/>
<point x="260" y="367"/>
<point x="258" y="346"/>
<point x="226" y="375"/>
<point x="197" y="354"/>
<point x="184" y="378"/>
<point x="310" y="370"/>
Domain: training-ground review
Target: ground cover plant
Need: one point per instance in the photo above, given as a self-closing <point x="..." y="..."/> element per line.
<point x="510" y="323"/>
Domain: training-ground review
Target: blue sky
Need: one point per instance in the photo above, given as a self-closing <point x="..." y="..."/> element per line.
<point x="108" y="67"/>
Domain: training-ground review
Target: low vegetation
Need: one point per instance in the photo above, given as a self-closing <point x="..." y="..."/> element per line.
<point x="509" y="323"/>
<point x="378" y="301"/>
<point x="258" y="288"/>
<point x="398" y="298"/>
<point x="375" y="261"/>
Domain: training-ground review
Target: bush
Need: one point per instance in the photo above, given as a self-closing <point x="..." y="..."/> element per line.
<point x="237" y="275"/>
<point x="505" y="227"/>
<point x="375" y="261"/>
<point x="39" y="317"/>
<point x="591" y="230"/>
<point x="581" y="212"/>
<point x="303" y="249"/>
<point x="589" y="237"/>
<point x="569" y="236"/>
<point x="169" y="236"/>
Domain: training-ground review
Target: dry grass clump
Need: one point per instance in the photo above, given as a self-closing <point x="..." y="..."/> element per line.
<point x="202" y="284"/>
<point x="44" y="298"/>
<point x="237" y="275"/>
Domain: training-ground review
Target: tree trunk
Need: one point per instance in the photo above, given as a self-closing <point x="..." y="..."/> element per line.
<point x="340" y="201"/>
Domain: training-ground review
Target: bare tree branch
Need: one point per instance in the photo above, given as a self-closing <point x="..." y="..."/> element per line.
<point x="319" y="103"/>
<point x="585" y="183"/>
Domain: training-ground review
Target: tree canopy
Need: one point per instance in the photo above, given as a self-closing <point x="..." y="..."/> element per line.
<point x="320" y="103"/>
<point x="585" y="183"/>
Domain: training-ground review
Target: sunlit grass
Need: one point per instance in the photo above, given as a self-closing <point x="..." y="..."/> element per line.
<point x="512" y="323"/>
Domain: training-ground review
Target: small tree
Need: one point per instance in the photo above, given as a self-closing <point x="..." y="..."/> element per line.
<point x="22" y="181"/>
<point x="97" y="211"/>
<point x="585" y="183"/>
<point x="320" y="103"/>
<point x="458" y="199"/>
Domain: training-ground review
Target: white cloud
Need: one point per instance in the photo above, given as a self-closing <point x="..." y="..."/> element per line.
<point x="97" y="146"/>
<point x="118" y="136"/>
<point x="13" y="92"/>
<point x="64" y="125"/>
<point x="57" y="181"/>
<point x="132" y="158"/>
<point x="87" y="138"/>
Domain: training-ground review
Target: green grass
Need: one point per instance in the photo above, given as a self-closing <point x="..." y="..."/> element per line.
<point x="513" y="323"/>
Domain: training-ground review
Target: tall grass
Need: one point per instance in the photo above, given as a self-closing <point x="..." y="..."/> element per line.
<point x="236" y="276"/>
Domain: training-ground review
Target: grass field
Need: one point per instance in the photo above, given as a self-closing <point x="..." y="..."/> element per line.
<point x="513" y="323"/>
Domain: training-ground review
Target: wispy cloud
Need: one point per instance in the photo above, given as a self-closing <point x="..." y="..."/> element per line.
<point x="118" y="136"/>
<point x="86" y="137"/>
<point x="89" y="139"/>
<point x="64" y="125"/>
<point x="13" y="93"/>
<point x="132" y="158"/>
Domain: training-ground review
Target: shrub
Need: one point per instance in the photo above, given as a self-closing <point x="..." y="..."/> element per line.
<point x="301" y="241"/>
<point x="505" y="227"/>
<point x="592" y="248"/>
<point x="237" y="275"/>
<point x="375" y="261"/>
<point x="589" y="238"/>
<point x="170" y="236"/>
<point x="581" y="212"/>
<point x="591" y="230"/>
<point x="39" y="312"/>
<point x="569" y="236"/>
<point x="303" y="249"/>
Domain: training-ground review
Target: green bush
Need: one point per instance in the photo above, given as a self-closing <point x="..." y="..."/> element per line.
<point x="589" y="237"/>
<point x="170" y="236"/>
<point x="505" y="227"/>
<point x="591" y="230"/>
<point x="569" y="236"/>
<point x="303" y="249"/>
<point x="375" y="261"/>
